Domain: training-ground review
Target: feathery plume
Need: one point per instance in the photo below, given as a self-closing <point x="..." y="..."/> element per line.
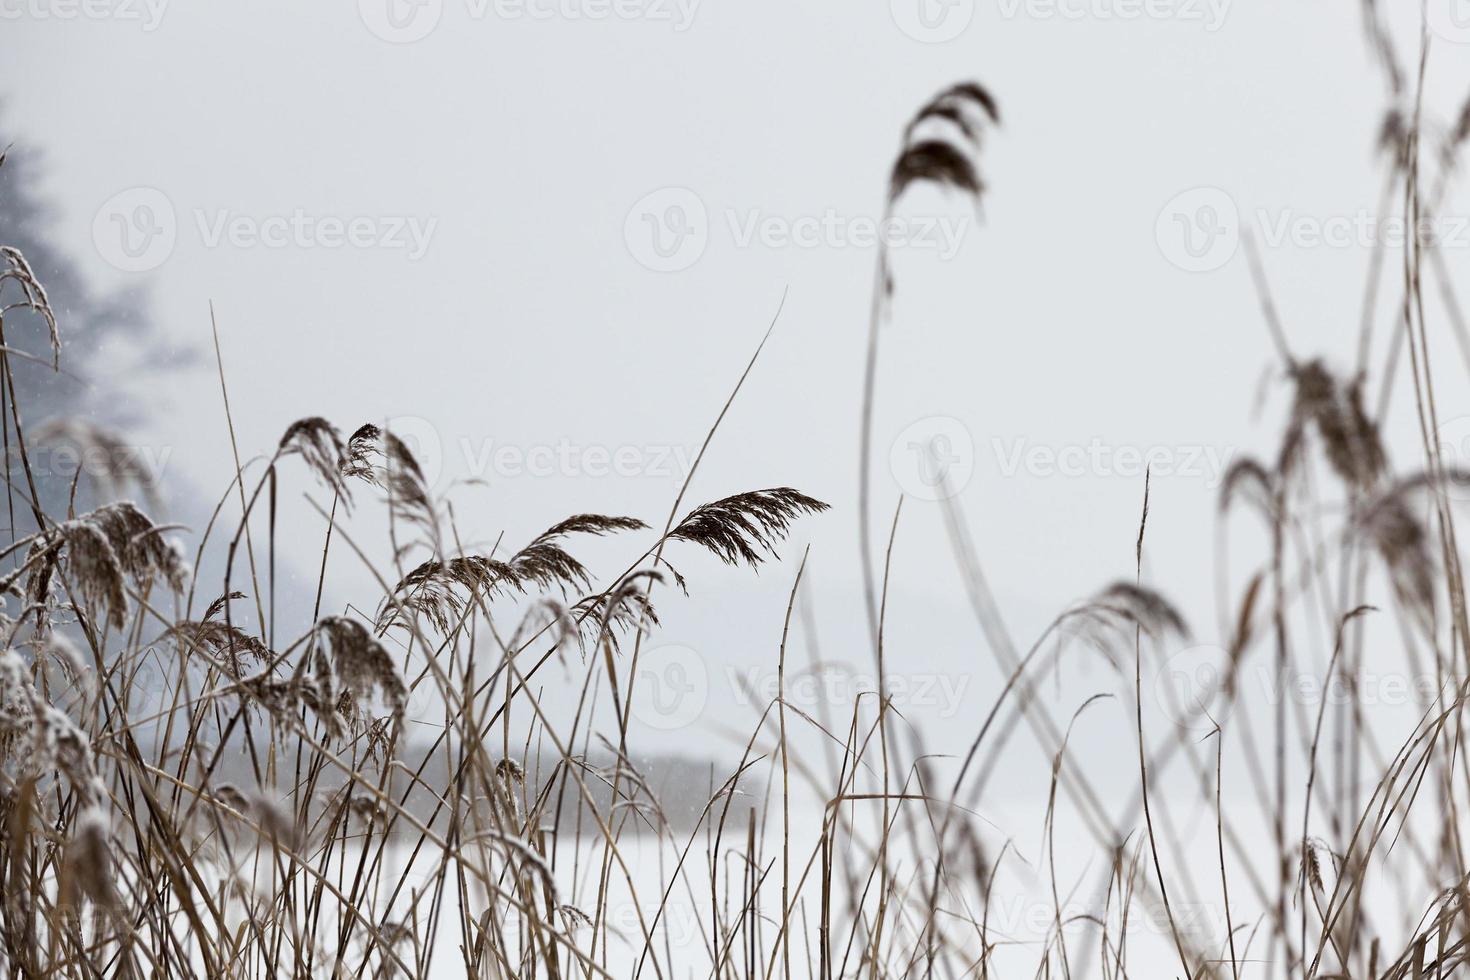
<point x="320" y="446"/>
<point x="408" y="489"/>
<point x="14" y="268"/>
<point x="746" y="527"/>
<point x="103" y="455"/>
<point x="87" y="869"/>
<point x="145" y="554"/>
<point x="1349" y="437"/>
<point x="364" y="455"/>
<point x="965" y="107"/>
<point x="361" y="663"/>
<point x="231" y="646"/>
<point x="442" y="590"/>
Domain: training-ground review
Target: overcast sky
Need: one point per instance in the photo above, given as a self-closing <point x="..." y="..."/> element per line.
<point x="545" y="236"/>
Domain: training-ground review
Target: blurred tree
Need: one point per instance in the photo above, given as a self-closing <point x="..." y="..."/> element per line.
<point x="73" y="416"/>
